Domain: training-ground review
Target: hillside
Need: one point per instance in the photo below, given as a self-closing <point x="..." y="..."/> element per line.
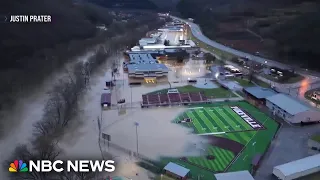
<point x="30" y="52"/>
<point x="71" y="22"/>
<point x="281" y="29"/>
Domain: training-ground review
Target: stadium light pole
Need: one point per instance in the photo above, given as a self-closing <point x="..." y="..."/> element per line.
<point x="137" y="140"/>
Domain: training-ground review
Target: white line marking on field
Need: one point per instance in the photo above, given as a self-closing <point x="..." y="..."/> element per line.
<point x="211" y="133"/>
<point x="245" y="157"/>
<point x="196" y="108"/>
<point x="211" y="110"/>
<point x="200" y="111"/>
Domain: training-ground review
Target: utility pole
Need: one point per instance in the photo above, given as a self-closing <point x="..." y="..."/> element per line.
<point x="131" y="95"/>
<point x="137" y="124"/>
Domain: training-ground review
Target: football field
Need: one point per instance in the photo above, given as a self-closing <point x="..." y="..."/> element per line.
<point x="232" y="129"/>
<point x="215" y="120"/>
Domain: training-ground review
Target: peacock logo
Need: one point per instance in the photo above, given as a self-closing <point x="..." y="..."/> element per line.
<point x="18" y="166"/>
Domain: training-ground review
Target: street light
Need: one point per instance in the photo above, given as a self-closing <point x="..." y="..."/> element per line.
<point x="137" y="140"/>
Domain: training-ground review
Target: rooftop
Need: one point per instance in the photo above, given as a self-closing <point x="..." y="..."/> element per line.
<point x="147" y="67"/>
<point x="141" y="58"/>
<point x="144" y="62"/>
<point x="260" y="92"/>
<point x="288" y="104"/>
<point x="176" y="169"/>
<point x="238" y="175"/>
<point x="299" y="165"/>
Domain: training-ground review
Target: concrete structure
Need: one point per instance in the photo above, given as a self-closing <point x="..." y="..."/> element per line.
<point x="238" y="175"/>
<point x="298" y="168"/>
<point x="144" y="66"/>
<point x="257" y="95"/>
<point x="291" y="109"/>
<point x="176" y="171"/>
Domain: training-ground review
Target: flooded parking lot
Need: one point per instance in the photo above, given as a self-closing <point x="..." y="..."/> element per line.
<point x="157" y="135"/>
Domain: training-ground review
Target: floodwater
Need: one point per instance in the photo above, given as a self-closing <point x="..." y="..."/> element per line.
<point x="27" y="111"/>
<point x="157" y="135"/>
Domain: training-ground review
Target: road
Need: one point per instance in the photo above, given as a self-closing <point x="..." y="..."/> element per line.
<point x="196" y="31"/>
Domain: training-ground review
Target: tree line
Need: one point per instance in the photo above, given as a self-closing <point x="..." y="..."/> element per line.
<point x="30" y="52"/>
<point x="62" y="107"/>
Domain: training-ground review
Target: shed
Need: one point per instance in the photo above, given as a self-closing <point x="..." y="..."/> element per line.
<point x="238" y="175"/>
<point x="298" y="168"/>
<point x="258" y="94"/>
<point x="291" y="109"/>
<point x="176" y="170"/>
<point x="106" y="99"/>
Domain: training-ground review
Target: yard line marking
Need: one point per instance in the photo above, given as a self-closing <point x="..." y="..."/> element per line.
<point x="245" y="157"/>
<point x="211" y="133"/>
<point x="210" y="110"/>
<point x="196" y="108"/>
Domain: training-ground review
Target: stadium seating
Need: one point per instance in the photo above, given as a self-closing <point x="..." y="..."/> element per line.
<point x="153" y="99"/>
<point x="145" y="99"/>
<point x="185" y="97"/>
<point x="165" y="99"/>
<point x="174" y="97"/>
<point x="195" y="97"/>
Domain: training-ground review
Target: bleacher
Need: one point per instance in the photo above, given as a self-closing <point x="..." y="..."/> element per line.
<point x="172" y="98"/>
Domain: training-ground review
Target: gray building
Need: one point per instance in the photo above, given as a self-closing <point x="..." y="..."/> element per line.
<point x="291" y="109"/>
<point x="257" y="95"/>
<point x="238" y="175"/>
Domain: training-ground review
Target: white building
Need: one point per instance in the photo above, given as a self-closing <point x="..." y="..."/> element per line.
<point x="238" y="175"/>
<point x="291" y="109"/>
<point x="147" y="41"/>
<point x="144" y="66"/>
<point x="298" y="168"/>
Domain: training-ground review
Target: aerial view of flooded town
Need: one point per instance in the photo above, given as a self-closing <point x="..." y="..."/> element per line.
<point x="168" y="108"/>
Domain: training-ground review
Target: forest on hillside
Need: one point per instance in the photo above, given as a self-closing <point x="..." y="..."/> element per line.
<point x="293" y="26"/>
<point x="31" y="52"/>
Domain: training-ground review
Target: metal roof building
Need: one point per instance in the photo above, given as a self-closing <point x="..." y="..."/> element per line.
<point x="177" y="169"/>
<point x="260" y="92"/>
<point x="298" y="168"/>
<point x="238" y="175"/>
<point x="144" y="65"/>
<point x="288" y="104"/>
<point x="291" y="109"/>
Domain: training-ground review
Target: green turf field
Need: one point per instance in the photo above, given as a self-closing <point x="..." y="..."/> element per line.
<point x="221" y="121"/>
<point x="215" y="120"/>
